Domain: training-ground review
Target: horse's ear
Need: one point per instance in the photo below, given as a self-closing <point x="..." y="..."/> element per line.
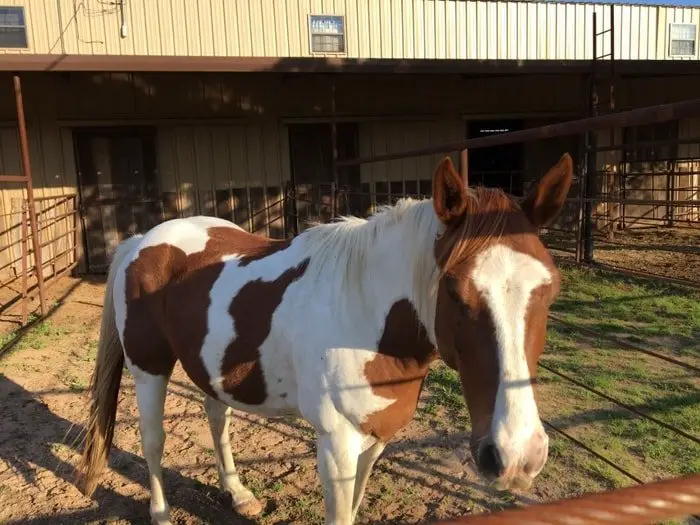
<point x="543" y="204"/>
<point x="449" y="192"/>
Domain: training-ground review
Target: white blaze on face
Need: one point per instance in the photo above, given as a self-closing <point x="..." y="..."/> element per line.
<point x="506" y="278"/>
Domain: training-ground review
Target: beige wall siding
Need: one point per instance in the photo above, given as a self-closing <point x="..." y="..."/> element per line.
<point x="232" y="171"/>
<point x="406" y="176"/>
<point x="398" y="29"/>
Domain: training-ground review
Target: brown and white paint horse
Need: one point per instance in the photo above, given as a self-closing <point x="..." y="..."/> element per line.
<point x="338" y="326"/>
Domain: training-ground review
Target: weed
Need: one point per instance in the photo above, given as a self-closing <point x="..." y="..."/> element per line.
<point x="277" y="486"/>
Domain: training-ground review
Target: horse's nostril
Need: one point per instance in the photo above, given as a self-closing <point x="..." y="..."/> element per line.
<point x="490" y="461"/>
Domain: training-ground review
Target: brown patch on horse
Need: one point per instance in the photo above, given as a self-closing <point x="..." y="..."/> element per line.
<point x="398" y="370"/>
<point x="251" y="311"/>
<point x="147" y="278"/>
<point x="251" y="247"/>
<point x="168" y="302"/>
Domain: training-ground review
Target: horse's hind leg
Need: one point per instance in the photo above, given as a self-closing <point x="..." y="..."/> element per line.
<point x="150" y="398"/>
<point x="219" y="416"/>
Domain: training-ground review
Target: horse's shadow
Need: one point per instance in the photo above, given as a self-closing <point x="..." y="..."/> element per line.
<point x="29" y="436"/>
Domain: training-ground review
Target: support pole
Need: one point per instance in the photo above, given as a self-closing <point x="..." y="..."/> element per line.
<point x="27" y="172"/>
<point x="464" y="166"/>
<point x="334" y="146"/>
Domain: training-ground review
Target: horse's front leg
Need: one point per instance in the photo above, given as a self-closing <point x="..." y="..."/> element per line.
<point x="364" y="468"/>
<point x="337" y="453"/>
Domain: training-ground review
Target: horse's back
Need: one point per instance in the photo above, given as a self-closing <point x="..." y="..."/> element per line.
<point x="174" y="308"/>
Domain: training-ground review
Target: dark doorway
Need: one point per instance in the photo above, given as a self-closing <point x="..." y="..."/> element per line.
<point x="118" y="185"/>
<point x="311" y="150"/>
<point x="499" y="166"/>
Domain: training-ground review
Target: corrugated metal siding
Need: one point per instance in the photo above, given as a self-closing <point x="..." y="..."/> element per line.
<point x="401" y="29"/>
<point x="234" y="172"/>
<point x="392" y="179"/>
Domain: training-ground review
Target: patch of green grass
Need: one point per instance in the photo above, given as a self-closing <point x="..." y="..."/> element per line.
<point x="445" y="390"/>
<point x="37" y="337"/>
<point x="252" y="483"/>
<point x="641" y="308"/>
<point x="307" y="510"/>
<point x="656" y="315"/>
<point x="277" y="486"/>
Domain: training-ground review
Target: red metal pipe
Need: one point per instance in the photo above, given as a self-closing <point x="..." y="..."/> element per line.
<point x="635" y="117"/>
<point x="26" y="169"/>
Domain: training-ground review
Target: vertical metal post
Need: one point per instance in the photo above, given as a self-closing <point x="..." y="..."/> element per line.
<point x="25" y="235"/>
<point x="579" y="201"/>
<point x="612" y="61"/>
<point x="26" y="170"/>
<point x="464" y="166"/>
<point x="589" y="178"/>
<point x="334" y="147"/>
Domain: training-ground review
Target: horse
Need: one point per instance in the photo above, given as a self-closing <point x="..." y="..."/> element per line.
<point x="338" y="326"/>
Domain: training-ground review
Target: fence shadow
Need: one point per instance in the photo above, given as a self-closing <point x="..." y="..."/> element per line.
<point x="29" y="439"/>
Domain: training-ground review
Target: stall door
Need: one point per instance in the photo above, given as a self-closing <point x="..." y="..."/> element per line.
<point x="118" y="185"/>
<point x="498" y="166"/>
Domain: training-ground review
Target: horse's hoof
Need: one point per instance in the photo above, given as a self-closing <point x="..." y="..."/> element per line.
<point x="161" y="518"/>
<point x="249" y="508"/>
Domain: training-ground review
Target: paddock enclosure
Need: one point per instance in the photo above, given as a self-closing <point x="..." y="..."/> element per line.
<point x="113" y="120"/>
<point x="618" y="387"/>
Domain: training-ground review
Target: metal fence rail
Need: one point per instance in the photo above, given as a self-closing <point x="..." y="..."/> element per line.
<point x="44" y="258"/>
<point x="640" y="505"/>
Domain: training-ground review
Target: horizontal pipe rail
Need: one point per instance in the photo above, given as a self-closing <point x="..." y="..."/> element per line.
<point x="13" y="178"/>
<point x="635" y="117"/>
<point x="637" y="505"/>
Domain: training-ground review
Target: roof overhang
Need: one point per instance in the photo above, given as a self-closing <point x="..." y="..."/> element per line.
<point x="183" y="64"/>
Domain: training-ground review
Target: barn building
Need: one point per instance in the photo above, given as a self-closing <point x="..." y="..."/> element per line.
<point x="143" y="110"/>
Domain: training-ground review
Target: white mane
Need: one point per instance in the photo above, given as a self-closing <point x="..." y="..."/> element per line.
<point x="344" y="246"/>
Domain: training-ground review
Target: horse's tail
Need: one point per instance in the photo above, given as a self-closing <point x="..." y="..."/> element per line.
<point x="104" y="384"/>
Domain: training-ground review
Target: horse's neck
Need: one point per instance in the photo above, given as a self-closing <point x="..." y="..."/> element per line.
<point x="402" y="266"/>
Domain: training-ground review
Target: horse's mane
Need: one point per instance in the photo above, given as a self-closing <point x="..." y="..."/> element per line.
<point x="346" y="243"/>
<point x="483" y="225"/>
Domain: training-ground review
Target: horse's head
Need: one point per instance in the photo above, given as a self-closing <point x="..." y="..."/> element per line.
<point x="497" y="281"/>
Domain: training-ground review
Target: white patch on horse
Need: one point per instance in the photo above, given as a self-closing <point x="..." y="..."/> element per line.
<point x="280" y="384"/>
<point x="506" y="278"/>
<point x="189" y="234"/>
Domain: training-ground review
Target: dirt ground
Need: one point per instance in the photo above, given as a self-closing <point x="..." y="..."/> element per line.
<point x="425" y="474"/>
<point x="669" y="252"/>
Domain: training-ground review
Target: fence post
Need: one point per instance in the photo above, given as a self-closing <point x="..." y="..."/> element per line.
<point x="334" y="146"/>
<point x="590" y="195"/>
<point x="27" y="172"/>
<point x="25" y="234"/>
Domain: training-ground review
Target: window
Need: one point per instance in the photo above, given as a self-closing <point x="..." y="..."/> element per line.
<point x="327" y="34"/>
<point x="13" y="30"/>
<point x="682" y="40"/>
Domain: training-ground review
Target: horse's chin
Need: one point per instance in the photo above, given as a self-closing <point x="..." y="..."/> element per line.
<point x="509" y="481"/>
